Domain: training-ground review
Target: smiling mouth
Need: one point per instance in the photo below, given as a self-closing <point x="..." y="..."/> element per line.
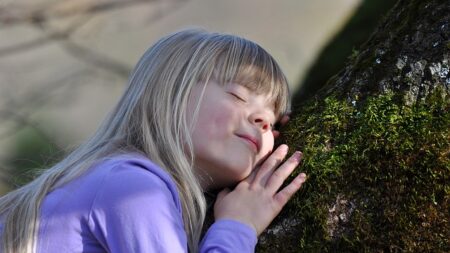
<point x="250" y="141"/>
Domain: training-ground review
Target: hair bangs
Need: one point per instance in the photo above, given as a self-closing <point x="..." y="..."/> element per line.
<point x="246" y="63"/>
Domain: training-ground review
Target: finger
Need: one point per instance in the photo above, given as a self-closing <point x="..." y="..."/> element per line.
<point x="284" y="120"/>
<point x="278" y="176"/>
<point x="270" y="164"/>
<point x="283" y="196"/>
<point x="222" y="193"/>
<point x="249" y="179"/>
<point x="275" y="133"/>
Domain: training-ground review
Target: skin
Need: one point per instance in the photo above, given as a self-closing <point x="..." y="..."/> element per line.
<point x="233" y="142"/>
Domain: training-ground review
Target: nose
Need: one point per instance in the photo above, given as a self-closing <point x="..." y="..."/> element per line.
<point x="261" y="121"/>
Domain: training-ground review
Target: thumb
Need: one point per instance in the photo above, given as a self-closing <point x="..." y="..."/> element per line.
<point x="223" y="193"/>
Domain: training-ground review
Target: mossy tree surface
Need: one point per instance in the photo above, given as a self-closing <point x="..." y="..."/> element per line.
<point x="376" y="144"/>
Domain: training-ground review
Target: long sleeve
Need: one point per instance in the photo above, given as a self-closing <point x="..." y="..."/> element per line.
<point x="137" y="211"/>
<point x="226" y="236"/>
<point x="128" y="204"/>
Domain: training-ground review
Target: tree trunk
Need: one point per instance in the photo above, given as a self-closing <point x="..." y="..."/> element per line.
<point x="376" y="146"/>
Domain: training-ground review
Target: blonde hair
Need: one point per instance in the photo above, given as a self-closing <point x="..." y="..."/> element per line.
<point x="150" y="118"/>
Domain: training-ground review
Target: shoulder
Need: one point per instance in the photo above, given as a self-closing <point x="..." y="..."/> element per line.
<point x="136" y="207"/>
<point x="133" y="177"/>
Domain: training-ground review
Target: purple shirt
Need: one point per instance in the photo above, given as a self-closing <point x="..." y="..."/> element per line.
<point x="127" y="204"/>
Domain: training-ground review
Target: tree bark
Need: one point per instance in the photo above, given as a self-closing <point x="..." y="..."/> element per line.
<point x="376" y="144"/>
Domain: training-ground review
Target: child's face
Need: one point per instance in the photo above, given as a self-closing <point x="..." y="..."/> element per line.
<point x="233" y="132"/>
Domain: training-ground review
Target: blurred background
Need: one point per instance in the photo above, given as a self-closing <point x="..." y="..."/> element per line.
<point x="64" y="63"/>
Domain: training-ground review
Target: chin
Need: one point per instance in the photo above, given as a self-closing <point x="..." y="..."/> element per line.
<point x="228" y="174"/>
<point x="240" y="175"/>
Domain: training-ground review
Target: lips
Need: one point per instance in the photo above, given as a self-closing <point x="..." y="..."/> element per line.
<point x="251" y="139"/>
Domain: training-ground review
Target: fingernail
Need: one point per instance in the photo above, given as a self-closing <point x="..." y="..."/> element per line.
<point x="298" y="156"/>
<point x="302" y="177"/>
<point x="284" y="148"/>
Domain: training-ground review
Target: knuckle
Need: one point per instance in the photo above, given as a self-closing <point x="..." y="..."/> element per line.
<point x="282" y="199"/>
<point x="289" y="194"/>
<point x="278" y="174"/>
<point x="254" y="187"/>
<point x="270" y="163"/>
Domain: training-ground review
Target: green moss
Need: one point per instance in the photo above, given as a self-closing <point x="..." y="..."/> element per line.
<point x="377" y="174"/>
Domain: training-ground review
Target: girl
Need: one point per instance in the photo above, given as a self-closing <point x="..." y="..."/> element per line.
<point x="197" y="116"/>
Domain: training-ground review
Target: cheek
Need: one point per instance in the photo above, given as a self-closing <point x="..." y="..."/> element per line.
<point x="216" y="120"/>
<point x="267" y="144"/>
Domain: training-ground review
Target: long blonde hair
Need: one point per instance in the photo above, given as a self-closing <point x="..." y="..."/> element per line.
<point x="150" y="118"/>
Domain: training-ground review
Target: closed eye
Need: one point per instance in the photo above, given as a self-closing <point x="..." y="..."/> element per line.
<point x="237" y="97"/>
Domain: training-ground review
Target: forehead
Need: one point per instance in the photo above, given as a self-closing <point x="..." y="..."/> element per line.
<point x="260" y="80"/>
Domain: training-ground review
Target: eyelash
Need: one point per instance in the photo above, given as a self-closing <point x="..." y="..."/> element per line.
<point x="237" y="97"/>
<point x="272" y="126"/>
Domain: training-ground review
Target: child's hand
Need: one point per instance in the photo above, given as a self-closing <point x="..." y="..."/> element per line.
<point x="282" y="122"/>
<point x="256" y="200"/>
